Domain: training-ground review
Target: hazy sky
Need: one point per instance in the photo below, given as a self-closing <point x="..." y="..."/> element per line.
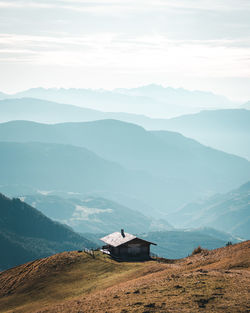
<point x="195" y="44"/>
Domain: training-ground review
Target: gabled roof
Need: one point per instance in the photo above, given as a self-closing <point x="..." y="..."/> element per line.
<point x="116" y="239"/>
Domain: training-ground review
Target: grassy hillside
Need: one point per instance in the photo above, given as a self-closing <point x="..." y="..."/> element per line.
<point x="63" y="276"/>
<point x="26" y="234"/>
<point x="211" y="281"/>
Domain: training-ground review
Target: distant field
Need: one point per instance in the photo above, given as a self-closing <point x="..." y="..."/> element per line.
<point x="216" y="280"/>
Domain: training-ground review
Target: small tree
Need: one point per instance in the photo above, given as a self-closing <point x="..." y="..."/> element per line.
<point x="229" y="243"/>
<point x="197" y="250"/>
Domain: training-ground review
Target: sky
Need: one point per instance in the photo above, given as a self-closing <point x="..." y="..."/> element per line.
<point x="194" y="44"/>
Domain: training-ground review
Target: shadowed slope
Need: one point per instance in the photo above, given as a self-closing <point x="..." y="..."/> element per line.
<point x="26" y="234"/>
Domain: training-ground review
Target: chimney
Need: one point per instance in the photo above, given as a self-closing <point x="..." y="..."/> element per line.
<point x="122" y="233"/>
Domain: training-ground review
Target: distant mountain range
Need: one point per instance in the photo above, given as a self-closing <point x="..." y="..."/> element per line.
<point x="161" y="170"/>
<point x="93" y="214"/>
<point x="45" y="111"/>
<point x="226" y="130"/>
<point x="178" y="96"/>
<point x="26" y="234"/>
<point x="42" y="166"/>
<point x="181" y="243"/>
<point x="227" y="212"/>
<point x="152" y="100"/>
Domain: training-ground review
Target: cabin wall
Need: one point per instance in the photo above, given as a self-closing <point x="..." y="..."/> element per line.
<point x="132" y="250"/>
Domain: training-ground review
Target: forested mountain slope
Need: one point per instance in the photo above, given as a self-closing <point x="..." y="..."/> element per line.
<point x="26" y="234"/>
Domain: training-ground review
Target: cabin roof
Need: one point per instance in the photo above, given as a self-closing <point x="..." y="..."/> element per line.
<point x="116" y="239"/>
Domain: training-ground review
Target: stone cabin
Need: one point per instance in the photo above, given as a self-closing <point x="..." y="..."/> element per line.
<point x="126" y="246"/>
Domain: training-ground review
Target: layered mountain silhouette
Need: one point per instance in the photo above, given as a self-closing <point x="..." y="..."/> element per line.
<point x="227" y="212"/>
<point x="26" y="234"/>
<point x="163" y="169"/>
<point x="226" y="130"/>
<point x="93" y="214"/>
<point x="178" y="96"/>
<point x="45" y="111"/>
<point x="42" y="166"/>
<point x="152" y="100"/>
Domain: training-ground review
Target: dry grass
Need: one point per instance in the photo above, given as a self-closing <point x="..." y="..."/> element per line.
<point x="199" y="249"/>
<point x="63" y="276"/>
<point x="211" y="281"/>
